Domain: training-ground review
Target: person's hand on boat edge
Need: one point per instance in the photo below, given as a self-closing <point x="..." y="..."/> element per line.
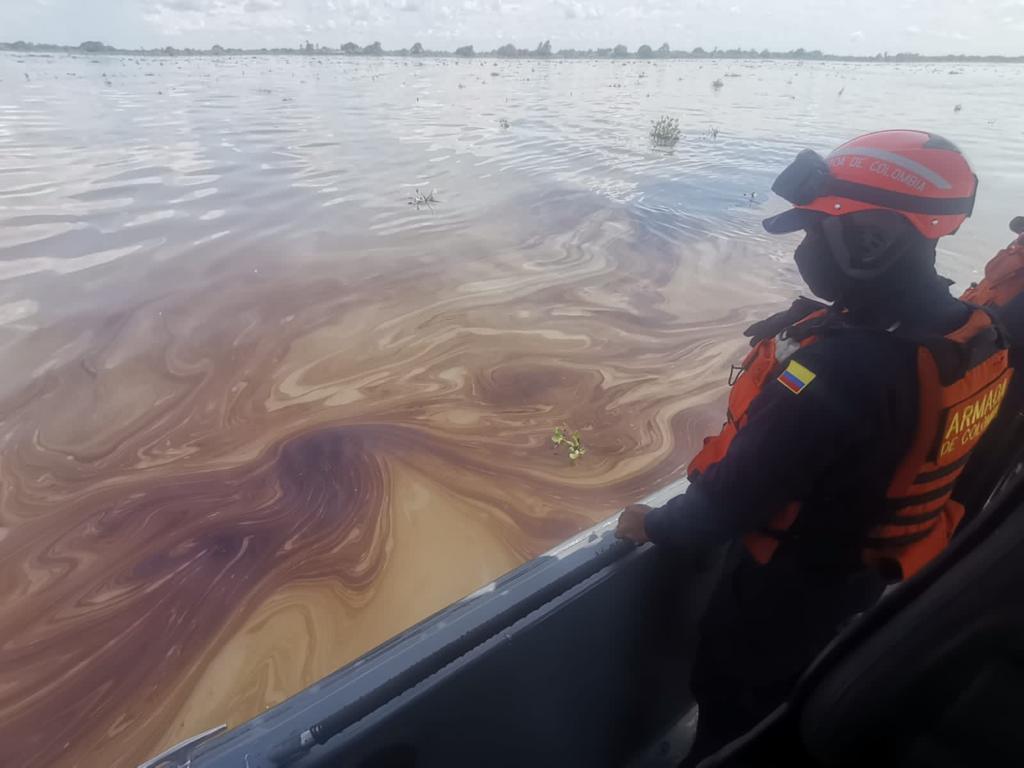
<point x="631" y="524"/>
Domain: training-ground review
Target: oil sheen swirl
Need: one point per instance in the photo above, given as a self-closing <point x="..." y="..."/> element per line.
<point x="258" y="414"/>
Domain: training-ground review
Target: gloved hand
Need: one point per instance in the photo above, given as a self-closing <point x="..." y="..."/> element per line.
<point x="775" y="324"/>
<point x="631" y="524"/>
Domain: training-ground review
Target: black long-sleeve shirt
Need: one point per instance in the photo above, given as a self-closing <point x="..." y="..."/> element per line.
<point x="833" y="447"/>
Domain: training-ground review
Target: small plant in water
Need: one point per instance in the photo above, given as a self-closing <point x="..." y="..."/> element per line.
<point x="717" y="85"/>
<point x="572" y="442"/>
<point x="419" y="199"/>
<point x="665" y="131"/>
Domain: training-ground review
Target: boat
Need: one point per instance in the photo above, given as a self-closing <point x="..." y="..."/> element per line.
<point x="581" y="657"/>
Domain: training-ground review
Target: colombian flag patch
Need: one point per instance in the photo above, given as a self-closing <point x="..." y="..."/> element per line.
<point x="796" y="377"/>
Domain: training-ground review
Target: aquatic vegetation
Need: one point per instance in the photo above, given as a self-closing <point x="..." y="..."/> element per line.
<point x="573" y="442"/>
<point x="665" y="131"/>
<point x="717" y="84"/>
<point x="419" y="199"/>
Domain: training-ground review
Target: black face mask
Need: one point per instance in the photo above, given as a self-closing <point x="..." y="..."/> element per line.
<point x="866" y="266"/>
<point x="817" y="267"/>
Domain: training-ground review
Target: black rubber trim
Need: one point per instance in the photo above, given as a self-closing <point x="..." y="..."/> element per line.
<point x="927" y="477"/>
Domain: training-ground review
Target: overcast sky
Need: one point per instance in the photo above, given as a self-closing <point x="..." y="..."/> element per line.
<point x="837" y="26"/>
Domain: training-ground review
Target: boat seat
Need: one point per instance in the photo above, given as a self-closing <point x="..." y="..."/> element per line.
<point x="932" y="676"/>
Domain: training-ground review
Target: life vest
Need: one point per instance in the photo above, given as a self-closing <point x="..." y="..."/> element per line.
<point x="1002" y="291"/>
<point x="1004" y="278"/>
<point x="962" y="379"/>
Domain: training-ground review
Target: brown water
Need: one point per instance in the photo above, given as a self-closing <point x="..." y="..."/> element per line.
<point x="258" y="413"/>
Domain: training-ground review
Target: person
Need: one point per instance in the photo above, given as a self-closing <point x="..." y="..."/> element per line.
<point x="1001" y="291"/>
<point x="847" y="425"/>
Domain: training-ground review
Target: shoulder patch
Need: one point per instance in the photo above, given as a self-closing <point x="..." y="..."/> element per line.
<point x="796" y="377"/>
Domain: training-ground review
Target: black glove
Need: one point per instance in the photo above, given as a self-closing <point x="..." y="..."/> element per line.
<point x="774" y="325"/>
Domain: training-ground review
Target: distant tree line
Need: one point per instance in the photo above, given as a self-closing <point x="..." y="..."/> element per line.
<point x="508" y="51"/>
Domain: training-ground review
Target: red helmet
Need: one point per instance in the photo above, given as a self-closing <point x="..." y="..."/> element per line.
<point x="921" y="176"/>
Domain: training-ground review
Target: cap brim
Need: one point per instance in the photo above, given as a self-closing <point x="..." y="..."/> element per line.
<point x="792" y="220"/>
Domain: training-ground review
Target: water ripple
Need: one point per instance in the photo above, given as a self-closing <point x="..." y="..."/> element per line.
<point x="259" y="412"/>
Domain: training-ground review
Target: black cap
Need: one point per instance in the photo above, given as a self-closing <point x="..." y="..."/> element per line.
<point x="792" y="220"/>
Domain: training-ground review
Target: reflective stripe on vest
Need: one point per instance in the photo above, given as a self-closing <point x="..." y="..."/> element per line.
<point x="955" y="409"/>
<point x="920" y="517"/>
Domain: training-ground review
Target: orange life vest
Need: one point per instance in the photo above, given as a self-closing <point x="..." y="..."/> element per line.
<point x="962" y="379"/>
<point x="1002" y="290"/>
<point x="1004" y="278"/>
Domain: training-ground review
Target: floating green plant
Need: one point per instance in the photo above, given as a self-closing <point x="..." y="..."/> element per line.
<point x="573" y="442"/>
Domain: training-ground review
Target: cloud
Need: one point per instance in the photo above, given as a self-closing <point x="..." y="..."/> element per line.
<point x="258" y="6"/>
<point x="198" y="23"/>
<point x="197" y="6"/>
<point x="572" y="9"/>
<point x="357" y="10"/>
<point x="885" y="24"/>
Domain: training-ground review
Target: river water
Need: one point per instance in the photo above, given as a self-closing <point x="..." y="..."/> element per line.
<point x="259" y="411"/>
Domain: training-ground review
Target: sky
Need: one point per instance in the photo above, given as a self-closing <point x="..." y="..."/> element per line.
<point x="835" y="26"/>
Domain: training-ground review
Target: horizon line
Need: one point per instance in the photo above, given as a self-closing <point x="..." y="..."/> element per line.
<point x="508" y="50"/>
